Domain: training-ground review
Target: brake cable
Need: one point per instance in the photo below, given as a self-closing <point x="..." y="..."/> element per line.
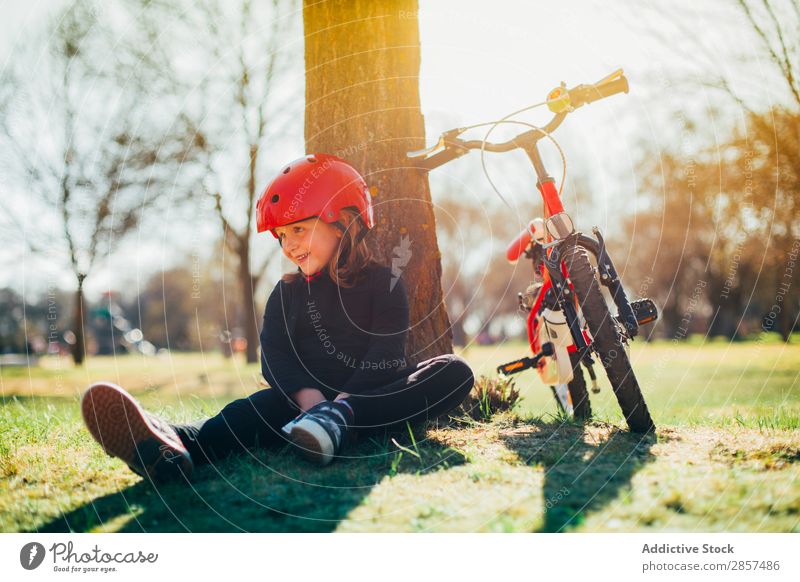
<point x="507" y="119"/>
<point x="530" y="125"/>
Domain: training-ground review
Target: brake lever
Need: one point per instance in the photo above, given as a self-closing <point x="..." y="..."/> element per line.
<point x="440" y="145"/>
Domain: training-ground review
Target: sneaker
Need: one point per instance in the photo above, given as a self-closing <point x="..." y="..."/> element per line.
<point x="148" y="444"/>
<point x="321" y="431"/>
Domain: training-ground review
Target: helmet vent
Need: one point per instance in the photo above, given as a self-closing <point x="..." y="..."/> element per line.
<point x="286" y="170"/>
<point x="275" y="198"/>
<point x="312" y="160"/>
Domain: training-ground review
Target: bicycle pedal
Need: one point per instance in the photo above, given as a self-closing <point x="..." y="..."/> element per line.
<point x="515" y="367"/>
<point x="644" y="310"/>
<point x="524" y="363"/>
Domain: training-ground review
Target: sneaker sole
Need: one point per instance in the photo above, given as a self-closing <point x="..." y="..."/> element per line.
<point x="314" y="443"/>
<point x="119" y="425"/>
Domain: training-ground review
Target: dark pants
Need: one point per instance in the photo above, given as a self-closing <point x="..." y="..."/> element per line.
<point x="433" y="388"/>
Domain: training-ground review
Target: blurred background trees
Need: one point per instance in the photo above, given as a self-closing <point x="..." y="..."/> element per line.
<point x="718" y="206"/>
<point x="136" y="136"/>
<point x="231" y="64"/>
<point x="86" y="148"/>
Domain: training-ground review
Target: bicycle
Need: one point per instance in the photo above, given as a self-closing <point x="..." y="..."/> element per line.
<point x="568" y="318"/>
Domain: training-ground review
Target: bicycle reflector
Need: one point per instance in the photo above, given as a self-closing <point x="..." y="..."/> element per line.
<point x="560" y="226"/>
<point x="644" y="310"/>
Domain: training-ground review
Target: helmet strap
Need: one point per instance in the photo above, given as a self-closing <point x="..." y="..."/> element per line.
<point x="361" y="235"/>
<point x="363" y="231"/>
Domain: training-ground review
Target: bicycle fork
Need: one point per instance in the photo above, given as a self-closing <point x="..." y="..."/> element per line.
<point x="565" y="301"/>
<point x="552" y="261"/>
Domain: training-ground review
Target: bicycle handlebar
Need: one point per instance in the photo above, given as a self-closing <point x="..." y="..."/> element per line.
<point x="591" y="93"/>
<point x="450" y="147"/>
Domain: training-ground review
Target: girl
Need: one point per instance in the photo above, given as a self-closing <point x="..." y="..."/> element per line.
<point x="332" y="344"/>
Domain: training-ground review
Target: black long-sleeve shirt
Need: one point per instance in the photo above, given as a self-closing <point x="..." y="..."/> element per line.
<point x="319" y="335"/>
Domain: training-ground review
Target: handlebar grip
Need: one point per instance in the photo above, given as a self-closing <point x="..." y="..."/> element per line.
<point x="602" y="90"/>
<point x="612" y="88"/>
<point x="519" y="244"/>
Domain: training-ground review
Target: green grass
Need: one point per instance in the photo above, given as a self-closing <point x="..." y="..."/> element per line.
<point x="726" y="456"/>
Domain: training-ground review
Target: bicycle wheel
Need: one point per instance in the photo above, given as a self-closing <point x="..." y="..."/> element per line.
<point x="606" y="340"/>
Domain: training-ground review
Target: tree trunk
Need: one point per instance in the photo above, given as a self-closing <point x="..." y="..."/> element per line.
<point x="79" y="349"/>
<point x="459" y="335"/>
<point x="362" y="104"/>
<point x="248" y="304"/>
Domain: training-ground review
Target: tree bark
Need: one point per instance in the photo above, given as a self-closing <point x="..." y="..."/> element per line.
<point x="362" y="104"/>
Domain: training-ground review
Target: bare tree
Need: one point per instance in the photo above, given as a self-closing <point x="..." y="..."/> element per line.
<point x="84" y="151"/>
<point x="477" y="280"/>
<point x="231" y="63"/>
<point x="777" y="30"/>
<point x="767" y="45"/>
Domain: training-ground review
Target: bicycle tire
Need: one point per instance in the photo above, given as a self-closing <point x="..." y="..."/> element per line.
<point x="606" y="341"/>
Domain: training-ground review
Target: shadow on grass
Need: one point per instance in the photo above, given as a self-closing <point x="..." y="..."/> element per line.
<point x="265" y="490"/>
<point x="585" y="467"/>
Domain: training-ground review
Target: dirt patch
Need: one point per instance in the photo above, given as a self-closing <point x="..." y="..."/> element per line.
<point x="768" y="455"/>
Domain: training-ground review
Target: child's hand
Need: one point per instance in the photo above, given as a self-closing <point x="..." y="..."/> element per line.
<point x="342" y="395"/>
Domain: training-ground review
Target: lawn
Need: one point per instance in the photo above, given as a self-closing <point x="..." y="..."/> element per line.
<point x="726" y="456"/>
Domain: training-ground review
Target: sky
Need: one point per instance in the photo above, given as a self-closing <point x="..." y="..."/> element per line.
<point x="481" y="63"/>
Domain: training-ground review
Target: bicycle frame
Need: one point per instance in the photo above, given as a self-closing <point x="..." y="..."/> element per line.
<point x="555" y="273"/>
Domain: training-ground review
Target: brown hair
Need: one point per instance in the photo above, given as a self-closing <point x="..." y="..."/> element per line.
<point x="349" y="260"/>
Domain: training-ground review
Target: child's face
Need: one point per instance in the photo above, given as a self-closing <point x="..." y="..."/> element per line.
<point x="309" y="244"/>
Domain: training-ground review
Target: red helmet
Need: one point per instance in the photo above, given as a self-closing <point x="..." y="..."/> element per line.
<point x="318" y="185"/>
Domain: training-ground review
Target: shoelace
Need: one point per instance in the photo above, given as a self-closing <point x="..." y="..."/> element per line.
<point x="158" y="422"/>
<point x="162" y="426"/>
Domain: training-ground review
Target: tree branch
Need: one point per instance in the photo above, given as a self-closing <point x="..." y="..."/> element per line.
<point x="787" y="62"/>
<point x="760" y="31"/>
